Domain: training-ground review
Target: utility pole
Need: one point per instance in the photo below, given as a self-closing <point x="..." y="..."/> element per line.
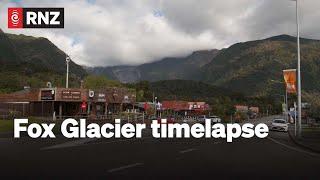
<point x="298" y="68"/>
<point x="67" y="77"/>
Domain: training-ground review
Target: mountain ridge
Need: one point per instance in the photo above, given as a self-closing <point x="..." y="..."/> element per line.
<point x="246" y="67"/>
<point x="168" y="68"/>
<point x="33" y="61"/>
<point x="249" y="67"/>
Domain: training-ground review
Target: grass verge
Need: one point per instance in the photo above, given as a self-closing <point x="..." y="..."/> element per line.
<point x="7" y="125"/>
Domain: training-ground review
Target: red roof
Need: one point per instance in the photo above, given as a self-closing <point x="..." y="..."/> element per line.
<point x="175" y="105"/>
<point x="184" y="105"/>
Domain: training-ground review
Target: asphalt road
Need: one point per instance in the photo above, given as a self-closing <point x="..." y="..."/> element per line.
<point x="149" y="158"/>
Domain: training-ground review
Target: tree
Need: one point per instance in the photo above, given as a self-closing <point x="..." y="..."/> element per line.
<point x="99" y="82"/>
<point x="143" y="91"/>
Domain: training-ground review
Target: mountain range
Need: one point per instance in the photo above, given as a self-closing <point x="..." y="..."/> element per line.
<point x="31" y="61"/>
<point x="252" y="68"/>
<point x="170" y="68"/>
<point x="255" y="67"/>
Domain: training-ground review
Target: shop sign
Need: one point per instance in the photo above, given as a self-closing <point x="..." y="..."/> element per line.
<point x="101" y="97"/>
<point x="71" y="95"/>
<point x="47" y="95"/>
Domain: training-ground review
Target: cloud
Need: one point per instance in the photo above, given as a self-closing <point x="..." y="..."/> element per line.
<point x="116" y="32"/>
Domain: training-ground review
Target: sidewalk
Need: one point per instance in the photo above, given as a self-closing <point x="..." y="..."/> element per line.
<point x="310" y="138"/>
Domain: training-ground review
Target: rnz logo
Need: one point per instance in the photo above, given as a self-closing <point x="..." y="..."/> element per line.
<point x="35" y="17"/>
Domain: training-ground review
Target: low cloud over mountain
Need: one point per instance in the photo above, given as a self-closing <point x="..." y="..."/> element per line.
<point x="113" y="32"/>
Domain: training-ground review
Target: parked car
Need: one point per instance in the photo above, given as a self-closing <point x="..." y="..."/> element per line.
<point x="279" y="125"/>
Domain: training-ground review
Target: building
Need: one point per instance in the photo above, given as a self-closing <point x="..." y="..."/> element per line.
<point x="241" y="108"/>
<point x="63" y="102"/>
<point x="185" y="107"/>
<point x="18" y="102"/>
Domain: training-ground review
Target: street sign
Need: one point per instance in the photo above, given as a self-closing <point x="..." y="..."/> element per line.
<point x="100" y="97"/>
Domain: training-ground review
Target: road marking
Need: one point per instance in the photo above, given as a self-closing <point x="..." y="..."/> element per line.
<point x="120" y="140"/>
<point x="293" y="148"/>
<point x="85" y="142"/>
<point x="109" y="142"/>
<point x="69" y="144"/>
<point x="187" y="150"/>
<point x="124" y="167"/>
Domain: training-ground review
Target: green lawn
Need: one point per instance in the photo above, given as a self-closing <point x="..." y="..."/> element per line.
<point x="7" y="125"/>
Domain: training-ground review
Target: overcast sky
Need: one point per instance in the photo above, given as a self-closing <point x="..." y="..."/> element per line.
<point x="130" y="32"/>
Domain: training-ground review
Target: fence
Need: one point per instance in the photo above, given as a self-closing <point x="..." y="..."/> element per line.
<point x="125" y="118"/>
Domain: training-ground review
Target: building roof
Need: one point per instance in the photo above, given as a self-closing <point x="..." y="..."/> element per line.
<point x="21" y="96"/>
<point x="108" y="95"/>
<point x="184" y="105"/>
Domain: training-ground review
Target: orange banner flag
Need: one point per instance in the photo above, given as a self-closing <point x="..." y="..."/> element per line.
<point x="290" y="78"/>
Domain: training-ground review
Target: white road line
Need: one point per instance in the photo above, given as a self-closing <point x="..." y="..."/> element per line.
<point x="69" y="144"/>
<point x="293" y="148"/>
<point x="84" y="142"/>
<point x="187" y="150"/>
<point x="120" y="140"/>
<point x="109" y="142"/>
<point x="124" y="167"/>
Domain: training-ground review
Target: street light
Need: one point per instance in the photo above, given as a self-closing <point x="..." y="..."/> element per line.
<point x="155" y="106"/>
<point x="67" y="77"/>
<point x="298" y="68"/>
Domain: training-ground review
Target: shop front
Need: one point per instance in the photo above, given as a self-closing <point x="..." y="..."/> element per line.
<point x="61" y="103"/>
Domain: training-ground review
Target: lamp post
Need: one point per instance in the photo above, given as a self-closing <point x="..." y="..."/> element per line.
<point x="155" y="106"/>
<point x="298" y="69"/>
<point x="67" y="77"/>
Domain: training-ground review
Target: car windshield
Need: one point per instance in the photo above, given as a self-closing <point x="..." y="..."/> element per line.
<point x="214" y="117"/>
<point x="279" y="121"/>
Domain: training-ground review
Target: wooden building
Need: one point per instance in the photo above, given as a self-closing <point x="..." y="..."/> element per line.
<point x="63" y="103"/>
